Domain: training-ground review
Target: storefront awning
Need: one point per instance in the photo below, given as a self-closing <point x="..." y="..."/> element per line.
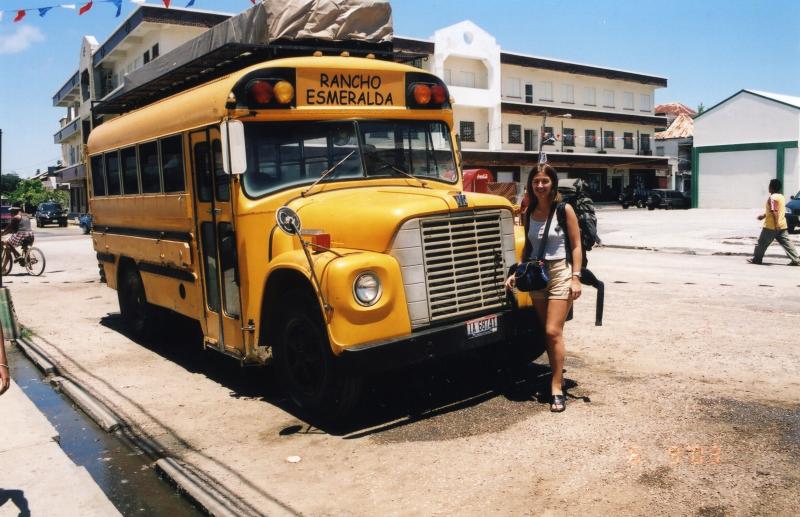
<point x="482" y="158"/>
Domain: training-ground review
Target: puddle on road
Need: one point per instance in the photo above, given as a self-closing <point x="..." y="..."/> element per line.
<point x="124" y="475"/>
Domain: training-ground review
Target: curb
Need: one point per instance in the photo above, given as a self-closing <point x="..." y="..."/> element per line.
<point x="687" y="251"/>
<point x="201" y="492"/>
<point x="96" y="410"/>
<point x="37" y="356"/>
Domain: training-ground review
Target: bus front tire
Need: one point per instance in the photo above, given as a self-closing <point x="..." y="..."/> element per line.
<point x="306" y="365"/>
<point x="133" y="303"/>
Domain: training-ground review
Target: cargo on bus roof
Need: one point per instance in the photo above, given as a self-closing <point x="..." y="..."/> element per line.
<point x="268" y="30"/>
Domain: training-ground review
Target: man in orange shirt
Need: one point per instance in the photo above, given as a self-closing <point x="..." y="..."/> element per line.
<point x="774" y="227"/>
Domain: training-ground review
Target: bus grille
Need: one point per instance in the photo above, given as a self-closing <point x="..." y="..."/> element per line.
<point x="463" y="264"/>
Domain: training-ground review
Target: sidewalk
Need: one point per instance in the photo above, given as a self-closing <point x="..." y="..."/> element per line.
<point x="36" y="476"/>
<point x="696" y="232"/>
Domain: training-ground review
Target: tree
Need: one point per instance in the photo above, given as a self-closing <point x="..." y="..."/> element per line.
<point x="700" y="108"/>
<point x="29" y="193"/>
<point x="8" y="183"/>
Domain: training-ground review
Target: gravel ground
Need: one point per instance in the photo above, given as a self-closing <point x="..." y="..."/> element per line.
<point x="684" y="403"/>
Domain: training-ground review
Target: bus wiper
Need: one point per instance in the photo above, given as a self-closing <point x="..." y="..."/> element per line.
<point x="386" y="163"/>
<point x="326" y="173"/>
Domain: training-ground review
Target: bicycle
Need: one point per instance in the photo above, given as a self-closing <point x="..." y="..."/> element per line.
<point x="32" y="259"/>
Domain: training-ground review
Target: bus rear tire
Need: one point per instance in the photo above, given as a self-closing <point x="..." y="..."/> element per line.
<point x="133" y="306"/>
<point x="305" y="364"/>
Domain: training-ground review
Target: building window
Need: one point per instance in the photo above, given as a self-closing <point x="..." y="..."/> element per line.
<point x="568" y="94"/>
<point x="589" y="96"/>
<point x="529" y="93"/>
<point x="548" y="132"/>
<point x="547" y="91"/>
<point x="467" y="130"/>
<point x="514" y="134"/>
<point x="448" y="76"/>
<point x="512" y="87"/>
<point x="468" y="79"/>
<point x="590" y="138"/>
<point x="569" y="137"/>
<point x="627" y="100"/>
<point x="530" y="139"/>
<point x="644" y="143"/>
<point x="608" y="98"/>
<point x="154" y="51"/>
<point x="644" y="102"/>
<point x="146" y="57"/>
<point x="659" y="150"/>
<point x="628" y="140"/>
<point x="608" y="139"/>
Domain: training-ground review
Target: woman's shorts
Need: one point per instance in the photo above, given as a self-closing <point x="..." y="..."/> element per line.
<point x="558" y="288"/>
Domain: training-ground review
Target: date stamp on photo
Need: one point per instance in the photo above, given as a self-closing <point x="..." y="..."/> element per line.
<point x="693" y="454"/>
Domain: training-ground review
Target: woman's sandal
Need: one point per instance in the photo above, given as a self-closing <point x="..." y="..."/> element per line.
<point x="558" y="403"/>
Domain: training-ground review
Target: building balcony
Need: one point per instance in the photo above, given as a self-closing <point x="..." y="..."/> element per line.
<point x="69" y="93"/>
<point x="68" y="131"/>
<point x="473" y="97"/>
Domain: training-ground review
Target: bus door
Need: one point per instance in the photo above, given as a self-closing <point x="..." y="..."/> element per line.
<point x="217" y="243"/>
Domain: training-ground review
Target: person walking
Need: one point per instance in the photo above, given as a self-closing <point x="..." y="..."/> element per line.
<point x="552" y="303"/>
<point x="774" y="227"/>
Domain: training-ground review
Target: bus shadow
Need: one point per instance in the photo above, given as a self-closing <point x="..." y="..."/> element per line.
<point x="392" y="400"/>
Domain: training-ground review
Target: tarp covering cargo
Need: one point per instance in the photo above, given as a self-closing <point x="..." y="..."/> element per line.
<point x="272" y="28"/>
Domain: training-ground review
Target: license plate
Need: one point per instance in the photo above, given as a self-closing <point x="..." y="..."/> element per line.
<point x="482" y="326"/>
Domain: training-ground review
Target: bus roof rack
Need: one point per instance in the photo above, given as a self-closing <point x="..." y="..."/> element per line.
<point x="268" y="30"/>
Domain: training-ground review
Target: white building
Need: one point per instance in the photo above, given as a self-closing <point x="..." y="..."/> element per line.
<point x="675" y="143"/>
<point x="740" y="144"/>
<point x="603" y="119"/>
<point x="146" y="34"/>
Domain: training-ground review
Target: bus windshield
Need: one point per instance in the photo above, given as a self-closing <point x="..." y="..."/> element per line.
<point x="282" y="155"/>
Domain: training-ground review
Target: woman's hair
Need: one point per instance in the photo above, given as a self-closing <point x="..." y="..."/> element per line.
<point x="775" y="185"/>
<point x="555" y="196"/>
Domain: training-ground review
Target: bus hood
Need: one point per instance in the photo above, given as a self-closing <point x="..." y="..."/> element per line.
<point x="367" y="218"/>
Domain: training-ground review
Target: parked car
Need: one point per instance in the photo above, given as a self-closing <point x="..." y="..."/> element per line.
<point x="5" y="216"/>
<point x="667" y="199"/>
<point x="51" y="213"/>
<point x="793" y="212"/>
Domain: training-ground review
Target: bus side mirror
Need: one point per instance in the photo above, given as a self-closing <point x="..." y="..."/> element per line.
<point x="234" y="157"/>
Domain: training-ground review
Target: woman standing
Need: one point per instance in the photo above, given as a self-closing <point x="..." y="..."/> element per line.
<point x="552" y="303"/>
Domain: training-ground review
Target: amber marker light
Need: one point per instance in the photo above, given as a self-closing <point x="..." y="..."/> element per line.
<point x="422" y="94"/>
<point x="261" y="92"/>
<point x="284" y="92"/>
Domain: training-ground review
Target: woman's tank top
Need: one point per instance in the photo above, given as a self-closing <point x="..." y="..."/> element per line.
<point x="555" y="248"/>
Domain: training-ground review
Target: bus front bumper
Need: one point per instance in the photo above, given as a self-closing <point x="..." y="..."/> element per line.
<point x="431" y="343"/>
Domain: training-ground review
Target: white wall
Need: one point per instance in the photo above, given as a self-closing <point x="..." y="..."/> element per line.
<point x="736" y="179"/>
<point x="747" y="118"/>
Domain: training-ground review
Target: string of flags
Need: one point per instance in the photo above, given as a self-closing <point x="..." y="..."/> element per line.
<point x="19" y="14"/>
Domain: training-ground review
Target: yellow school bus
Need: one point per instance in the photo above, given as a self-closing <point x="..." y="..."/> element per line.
<point x="308" y="212"/>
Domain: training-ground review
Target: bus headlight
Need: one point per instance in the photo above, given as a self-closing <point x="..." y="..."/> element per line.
<point x="367" y="289"/>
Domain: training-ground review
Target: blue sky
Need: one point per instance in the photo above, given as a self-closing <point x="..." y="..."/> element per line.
<point x="707" y="49"/>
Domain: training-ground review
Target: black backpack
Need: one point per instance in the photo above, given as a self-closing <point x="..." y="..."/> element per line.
<point x="574" y="193"/>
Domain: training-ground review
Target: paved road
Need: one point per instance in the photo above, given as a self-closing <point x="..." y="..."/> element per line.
<point x="685" y="402"/>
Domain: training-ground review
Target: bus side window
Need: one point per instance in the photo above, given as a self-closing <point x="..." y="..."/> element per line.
<point x="98" y="178"/>
<point x="130" y="174"/>
<point x="112" y="173"/>
<point x="148" y="165"/>
<point x="172" y="163"/>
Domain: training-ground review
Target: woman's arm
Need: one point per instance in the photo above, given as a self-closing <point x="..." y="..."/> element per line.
<point x="577" y="253"/>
